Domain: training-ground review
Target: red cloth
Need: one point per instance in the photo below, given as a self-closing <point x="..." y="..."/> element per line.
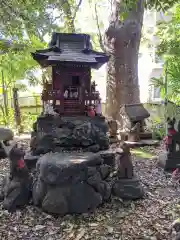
<point x="176" y="175"/>
<point x="20" y="163"/>
<point x="168" y="139"/>
<point x="171" y="131"/>
<point x="91" y="113"/>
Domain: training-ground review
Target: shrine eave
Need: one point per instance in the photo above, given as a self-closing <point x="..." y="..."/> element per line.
<point x="49" y="57"/>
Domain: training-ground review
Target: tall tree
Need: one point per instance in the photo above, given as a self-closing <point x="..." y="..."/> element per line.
<point x="122" y="40"/>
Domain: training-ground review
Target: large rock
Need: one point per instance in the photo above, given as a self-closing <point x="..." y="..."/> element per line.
<point x="109" y="157"/>
<point x="52" y="132"/>
<point x="60" y="168"/>
<point x="55" y="201"/>
<point x="71" y="183"/>
<point x="129" y="189"/>
<point x="6" y="134"/>
<point x="83" y="198"/>
<point x="45" y="144"/>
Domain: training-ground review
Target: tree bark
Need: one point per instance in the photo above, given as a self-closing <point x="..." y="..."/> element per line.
<point x="122" y="40"/>
<point x="17" y="114"/>
<point x="5" y="98"/>
<point x="69" y="20"/>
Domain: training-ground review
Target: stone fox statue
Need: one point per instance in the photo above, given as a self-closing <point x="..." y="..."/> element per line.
<point x="18" y="167"/>
<point x="125" y="166"/>
<point x="16" y="187"/>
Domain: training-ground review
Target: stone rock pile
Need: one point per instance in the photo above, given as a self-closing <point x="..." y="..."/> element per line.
<point x="66" y="181"/>
<point x="54" y="133"/>
<point x="79" y="183"/>
<point x="6" y="135"/>
<point x="72" y="183"/>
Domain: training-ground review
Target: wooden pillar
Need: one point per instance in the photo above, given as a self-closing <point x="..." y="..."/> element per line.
<point x="82" y="98"/>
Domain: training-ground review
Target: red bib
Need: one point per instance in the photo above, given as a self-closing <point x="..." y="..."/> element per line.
<point x="20" y="163"/>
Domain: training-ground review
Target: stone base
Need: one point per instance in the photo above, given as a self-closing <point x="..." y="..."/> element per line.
<point x="169" y="161"/>
<point x="133" y="137"/>
<point x="54" y="133"/>
<point x="71" y="183"/>
<point x="108" y="157"/>
<point x="145" y="135"/>
<point x="129" y="189"/>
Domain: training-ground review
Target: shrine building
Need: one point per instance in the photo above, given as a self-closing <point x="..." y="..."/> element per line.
<point x="71" y="58"/>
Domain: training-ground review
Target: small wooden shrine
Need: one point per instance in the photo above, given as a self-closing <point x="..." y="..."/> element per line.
<point x="71" y="57"/>
<point x="133" y="114"/>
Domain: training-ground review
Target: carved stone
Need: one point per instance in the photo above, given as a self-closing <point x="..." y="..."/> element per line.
<point x="16" y="189"/>
<point x="170" y="158"/>
<point x="71" y="183"/>
<point x="127" y="186"/>
<point x="124" y="162"/>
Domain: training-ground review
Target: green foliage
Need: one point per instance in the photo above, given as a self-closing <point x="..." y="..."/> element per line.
<point x="159" y="5"/>
<point x="158" y="129"/>
<point x="37" y="17"/>
<point x="26" y="23"/>
<point x="156" y="4"/>
<point x="169" y="49"/>
<point x="17" y="65"/>
<point x="28" y="119"/>
<point x="169" y="34"/>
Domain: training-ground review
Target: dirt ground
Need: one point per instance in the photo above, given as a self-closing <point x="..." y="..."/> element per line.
<point x="149" y="218"/>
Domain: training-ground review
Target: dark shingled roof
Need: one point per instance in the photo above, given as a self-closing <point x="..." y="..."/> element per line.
<point x="65" y="47"/>
<point x="136" y="112"/>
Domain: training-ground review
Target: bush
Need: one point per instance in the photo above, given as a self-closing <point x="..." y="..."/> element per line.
<point x="27" y="119"/>
<point x="158" y="129"/>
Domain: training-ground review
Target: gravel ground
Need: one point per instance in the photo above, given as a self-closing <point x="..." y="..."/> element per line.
<point x="149" y="218"/>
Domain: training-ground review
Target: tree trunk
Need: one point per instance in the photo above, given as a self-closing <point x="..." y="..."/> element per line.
<point x="69" y="20"/>
<point x="5" y="98"/>
<point x="17" y="114"/>
<point x="122" y="40"/>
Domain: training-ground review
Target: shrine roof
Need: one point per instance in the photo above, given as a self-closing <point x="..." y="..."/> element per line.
<point x="136" y="112"/>
<point x="72" y="48"/>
